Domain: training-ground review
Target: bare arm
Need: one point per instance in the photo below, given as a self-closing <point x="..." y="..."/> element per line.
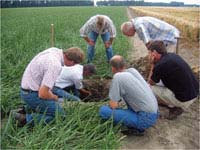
<point x="85" y="92"/>
<point x="45" y="93"/>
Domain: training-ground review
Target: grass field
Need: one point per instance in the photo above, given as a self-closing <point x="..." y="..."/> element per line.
<point x="184" y="18"/>
<point x="24" y="33"/>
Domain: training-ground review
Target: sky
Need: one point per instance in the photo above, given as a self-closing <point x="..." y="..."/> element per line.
<point x="168" y="1"/>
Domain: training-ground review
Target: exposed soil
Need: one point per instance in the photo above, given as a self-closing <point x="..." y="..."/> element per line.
<point x="99" y="89"/>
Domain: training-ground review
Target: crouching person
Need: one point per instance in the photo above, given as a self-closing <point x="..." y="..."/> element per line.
<point x="69" y="83"/>
<point x="129" y="85"/>
<point x="179" y="88"/>
<point x="38" y="80"/>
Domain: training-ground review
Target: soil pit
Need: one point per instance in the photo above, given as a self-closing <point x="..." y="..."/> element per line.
<point x="99" y="89"/>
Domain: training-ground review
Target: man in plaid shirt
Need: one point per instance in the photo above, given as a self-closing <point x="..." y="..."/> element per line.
<point x="150" y="29"/>
<point x="95" y="26"/>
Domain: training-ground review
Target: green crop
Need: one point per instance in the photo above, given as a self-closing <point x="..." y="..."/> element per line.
<point x="24" y="33"/>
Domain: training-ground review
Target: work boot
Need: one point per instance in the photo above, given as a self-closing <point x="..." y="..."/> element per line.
<point x="133" y="131"/>
<point x="174" y="112"/>
<point x="20" y="110"/>
<point x="19" y="118"/>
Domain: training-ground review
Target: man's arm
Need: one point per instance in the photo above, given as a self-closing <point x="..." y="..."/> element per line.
<point x="85" y="92"/>
<point x="45" y="93"/>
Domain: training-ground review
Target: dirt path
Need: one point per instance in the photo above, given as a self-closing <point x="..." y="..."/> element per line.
<point x="182" y="133"/>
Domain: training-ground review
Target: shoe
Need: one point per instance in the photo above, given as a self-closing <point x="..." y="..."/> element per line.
<point x="174" y="113"/>
<point x="19" y="118"/>
<point x="133" y="131"/>
<point x="20" y="110"/>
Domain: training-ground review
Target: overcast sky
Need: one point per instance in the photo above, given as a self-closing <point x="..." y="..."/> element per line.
<point x="168" y="1"/>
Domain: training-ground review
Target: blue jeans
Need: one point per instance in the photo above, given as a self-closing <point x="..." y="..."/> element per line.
<point x="90" y="49"/>
<point x="64" y="94"/>
<point x="139" y="120"/>
<point x="42" y="109"/>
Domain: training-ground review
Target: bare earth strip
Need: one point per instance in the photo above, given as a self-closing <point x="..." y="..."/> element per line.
<point x="182" y="133"/>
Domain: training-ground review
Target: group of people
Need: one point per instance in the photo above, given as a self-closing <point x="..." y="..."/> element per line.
<point x="55" y="74"/>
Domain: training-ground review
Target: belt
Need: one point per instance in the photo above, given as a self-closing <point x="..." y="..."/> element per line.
<point x="26" y="90"/>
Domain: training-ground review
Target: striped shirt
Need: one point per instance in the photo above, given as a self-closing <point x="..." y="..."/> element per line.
<point x="151" y="29"/>
<point x="90" y="25"/>
<point x="43" y="69"/>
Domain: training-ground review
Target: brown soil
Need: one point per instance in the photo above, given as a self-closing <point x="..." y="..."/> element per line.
<point x="99" y="89"/>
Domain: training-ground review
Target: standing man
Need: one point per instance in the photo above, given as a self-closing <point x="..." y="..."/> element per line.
<point x="150" y="29"/>
<point x="95" y="26"/>
<point x="38" y="80"/>
<point x="129" y="85"/>
<point x="180" y="88"/>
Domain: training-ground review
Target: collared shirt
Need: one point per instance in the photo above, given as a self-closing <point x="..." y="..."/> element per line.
<point x="130" y="86"/>
<point x="150" y="28"/>
<point x="90" y="25"/>
<point x="43" y="69"/>
<point x="70" y="75"/>
<point x="177" y="76"/>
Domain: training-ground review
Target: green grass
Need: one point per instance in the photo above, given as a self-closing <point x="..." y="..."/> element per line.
<point x="24" y="33"/>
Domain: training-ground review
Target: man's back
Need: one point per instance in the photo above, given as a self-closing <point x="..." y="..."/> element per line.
<point x="134" y="90"/>
<point x="70" y="75"/>
<point x="150" y="28"/>
<point x="176" y="75"/>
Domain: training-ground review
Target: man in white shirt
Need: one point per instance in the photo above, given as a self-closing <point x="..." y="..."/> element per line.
<point x="70" y="79"/>
<point x="95" y="26"/>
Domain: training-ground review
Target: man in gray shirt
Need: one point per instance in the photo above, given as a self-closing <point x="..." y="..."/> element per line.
<point x="129" y="85"/>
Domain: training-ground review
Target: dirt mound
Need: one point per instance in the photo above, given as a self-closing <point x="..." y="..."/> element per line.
<point x="99" y="89"/>
<point x="142" y="65"/>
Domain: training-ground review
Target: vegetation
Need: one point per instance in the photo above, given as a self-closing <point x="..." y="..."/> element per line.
<point x="24" y="33"/>
<point x="184" y="18"/>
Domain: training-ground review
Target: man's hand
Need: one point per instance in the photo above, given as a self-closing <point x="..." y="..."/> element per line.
<point x="90" y="42"/>
<point x="148" y="44"/>
<point x="113" y="104"/>
<point x="107" y="44"/>
<point x="45" y="93"/>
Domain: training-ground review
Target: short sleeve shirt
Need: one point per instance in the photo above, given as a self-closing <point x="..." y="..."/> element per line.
<point x="133" y="89"/>
<point x="90" y="26"/>
<point x="70" y="75"/>
<point x="43" y="69"/>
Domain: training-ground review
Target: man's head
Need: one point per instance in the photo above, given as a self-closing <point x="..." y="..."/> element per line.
<point x="128" y="28"/>
<point x="118" y="63"/>
<point x="100" y="22"/>
<point x="72" y="56"/>
<point x="157" y="49"/>
<point x="89" y="69"/>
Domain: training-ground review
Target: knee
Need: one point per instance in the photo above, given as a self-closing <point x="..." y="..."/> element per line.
<point x="105" y="112"/>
